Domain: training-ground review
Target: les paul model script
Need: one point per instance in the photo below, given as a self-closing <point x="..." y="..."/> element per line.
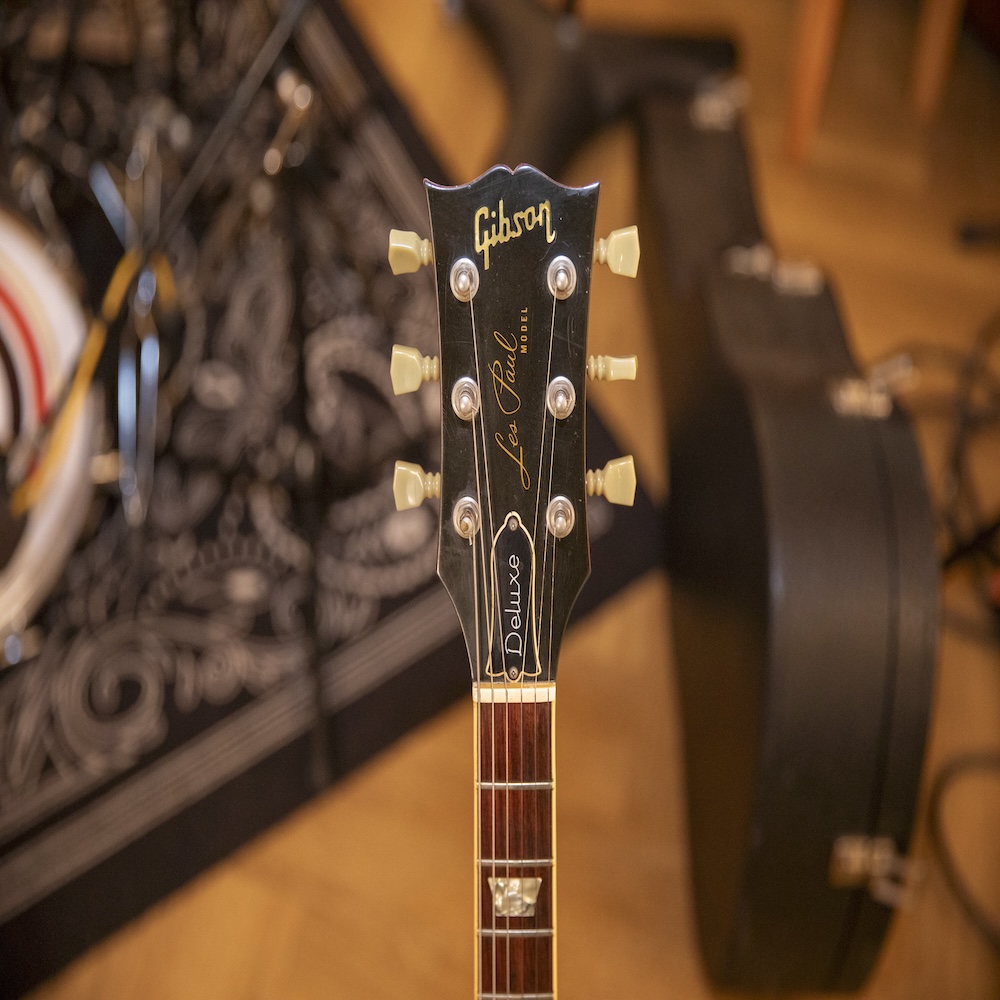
<point x="512" y="253"/>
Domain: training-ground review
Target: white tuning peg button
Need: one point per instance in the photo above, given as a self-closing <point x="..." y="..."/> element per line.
<point x="411" y="486"/>
<point x="603" y="367"/>
<point x="615" y="482"/>
<point x="409" y="369"/>
<point x="408" y="252"/>
<point x="619" y="251"/>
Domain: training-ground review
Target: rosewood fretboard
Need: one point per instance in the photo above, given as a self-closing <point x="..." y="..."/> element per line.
<point x="516" y="863"/>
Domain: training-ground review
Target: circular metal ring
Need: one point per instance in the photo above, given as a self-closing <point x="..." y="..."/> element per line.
<point x="561" y="277"/>
<point x="560" y="397"/>
<point x="560" y="517"/>
<point x="465" y="398"/>
<point x="464" y="279"/>
<point x="466" y="516"/>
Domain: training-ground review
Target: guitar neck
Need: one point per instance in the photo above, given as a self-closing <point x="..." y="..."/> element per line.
<point x="512" y="254"/>
<point x="515" y="902"/>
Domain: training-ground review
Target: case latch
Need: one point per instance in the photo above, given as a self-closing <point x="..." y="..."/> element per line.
<point x="875" y="864"/>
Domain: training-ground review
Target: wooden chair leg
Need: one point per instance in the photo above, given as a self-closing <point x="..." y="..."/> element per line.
<point x="936" y="32"/>
<point x="816" y="36"/>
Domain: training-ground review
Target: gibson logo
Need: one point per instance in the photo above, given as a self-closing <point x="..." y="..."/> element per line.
<point x="495" y="227"/>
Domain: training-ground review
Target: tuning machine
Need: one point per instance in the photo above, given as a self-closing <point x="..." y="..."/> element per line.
<point x="409" y="369"/>
<point x="615" y="482"/>
<point x="605" y="368"/>
<point x="619" y="251"/>
<point x="408" y="252"/>
<point x="411" y="485"/>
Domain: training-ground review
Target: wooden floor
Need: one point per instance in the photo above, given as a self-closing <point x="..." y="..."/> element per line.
<point x="367" y="893"/>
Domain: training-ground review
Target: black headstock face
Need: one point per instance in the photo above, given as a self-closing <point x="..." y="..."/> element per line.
<point x="513" y="256"/>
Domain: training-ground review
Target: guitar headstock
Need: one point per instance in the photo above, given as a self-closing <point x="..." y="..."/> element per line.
<point x="512" y="254"/>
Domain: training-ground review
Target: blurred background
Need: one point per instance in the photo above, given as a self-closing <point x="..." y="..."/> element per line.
<point x="365" y="890"/>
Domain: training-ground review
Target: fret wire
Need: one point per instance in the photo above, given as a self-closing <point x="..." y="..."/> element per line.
<point x="512" y="932"/>
<point x="531" y="786"/>
<point x="519" y="862"/>
<point x="516" y="996"/>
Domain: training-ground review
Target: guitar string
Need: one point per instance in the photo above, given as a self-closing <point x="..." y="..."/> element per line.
<point x="502" y="793"/>
<point x="550" y="775"/>
<point x="528" y="839"/>
<point x="477" y="568"/>
<point x="545" y="410"/>
<point x="535" y="751"/>
<point x="551" y="751"/>
<point x="483" y="520"/>
<point x="486" y="570"/>
<point x="555" y="541"/>
<point x="536" y="947"/>
<point x="508" y="792"/>
<point x="545" y="553"/>
<point x="552" y="453"/>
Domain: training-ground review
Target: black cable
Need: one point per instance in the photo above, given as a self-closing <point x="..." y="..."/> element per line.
<point x="231" y="118"/>
<point x="941" y="356"/>
<point x="980" y="233"/>
<point x="977" y="542"/>
<point x="984" y="760"/>
<point x="961" y="504"/>
<point x="973" y="407"/>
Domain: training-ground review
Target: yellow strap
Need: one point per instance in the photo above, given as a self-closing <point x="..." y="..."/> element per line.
<point x="166" y="288"/>
<point x="27" y="494"/>
<point x="117" y="289"/>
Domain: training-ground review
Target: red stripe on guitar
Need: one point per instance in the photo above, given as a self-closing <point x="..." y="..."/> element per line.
<point x="31" y="350"/>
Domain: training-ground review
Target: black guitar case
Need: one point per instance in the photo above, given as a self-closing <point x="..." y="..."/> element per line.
<point x="804" y="579"/>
